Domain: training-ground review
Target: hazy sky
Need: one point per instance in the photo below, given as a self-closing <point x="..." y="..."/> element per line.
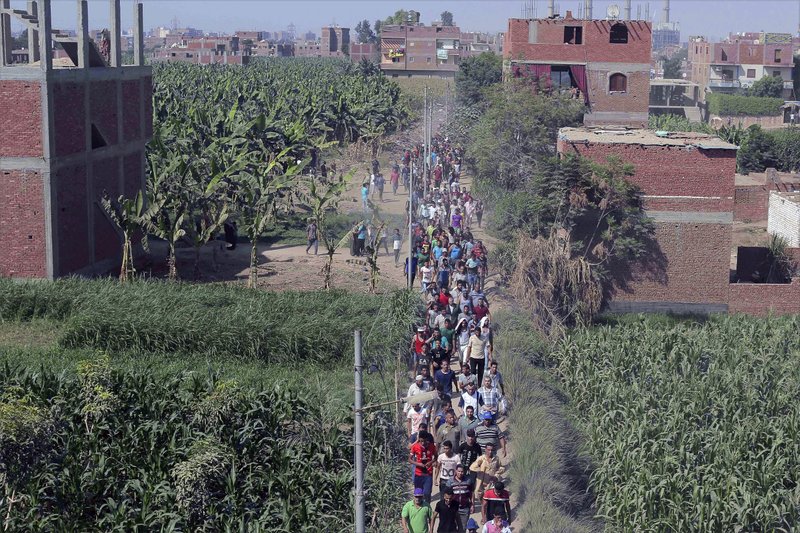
<point x="713" y="18"/>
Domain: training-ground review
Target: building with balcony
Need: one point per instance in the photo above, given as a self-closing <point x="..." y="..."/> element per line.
<point x="740" y="61"/>
<point x="608" y="61"/>
<point x="417" y="50"/>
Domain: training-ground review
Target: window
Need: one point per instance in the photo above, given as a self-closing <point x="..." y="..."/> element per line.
<point x="98" y="141"/>
<point x="411" y="59"/>
<point x="751" y="73"/>
<point x="573" y="35"/>
<point x="724" y="56"/>
<point x="429" y="60"/>
<point x="618" y="83"/>
<point x="776" y="73"/>
<point x="619" y="34"/>
<point x="778" y="55"/>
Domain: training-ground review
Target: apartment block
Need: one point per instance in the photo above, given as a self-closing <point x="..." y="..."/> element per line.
<point x="417" y="50"/>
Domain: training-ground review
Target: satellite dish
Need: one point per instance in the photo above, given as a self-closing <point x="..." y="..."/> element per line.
<point x="613" y="11"/>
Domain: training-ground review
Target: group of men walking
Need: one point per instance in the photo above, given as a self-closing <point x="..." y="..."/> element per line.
<point x="454" y="440"/>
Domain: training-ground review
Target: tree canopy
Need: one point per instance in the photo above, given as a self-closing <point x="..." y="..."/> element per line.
<point x="446" y="18"/>
<point x="768" y="86"/>
<point x="475" y="74"/>
<point x="364" y="32"/>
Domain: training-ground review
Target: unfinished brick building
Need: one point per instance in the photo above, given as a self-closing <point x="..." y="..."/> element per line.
<point x="687" y="185"/>
<point x="71" y="130"/>
<point x="607" y="60"/>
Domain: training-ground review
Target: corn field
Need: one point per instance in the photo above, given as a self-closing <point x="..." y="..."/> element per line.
<point x="694" y="426"/>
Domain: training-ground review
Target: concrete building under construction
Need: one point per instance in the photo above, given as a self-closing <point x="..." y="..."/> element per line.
<point x="72" y="130"/>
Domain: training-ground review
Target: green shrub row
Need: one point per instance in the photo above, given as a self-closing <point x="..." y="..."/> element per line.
<point x="731" y="104"/>
<point x="218" y="320"/>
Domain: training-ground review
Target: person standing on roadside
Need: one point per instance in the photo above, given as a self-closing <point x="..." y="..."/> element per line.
<point x="397" y="242"/>
<point x="417" y="516"/>
<point x="311" y="235"/>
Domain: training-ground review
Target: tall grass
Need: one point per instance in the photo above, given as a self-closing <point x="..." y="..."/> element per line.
<point x="217" y="321"/>
<point x="548" y="471"/>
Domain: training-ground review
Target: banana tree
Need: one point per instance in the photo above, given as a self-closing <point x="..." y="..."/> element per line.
<point x="131" y="216"/>
<point x="322" y="200"/>
<point x="259" y="192"/>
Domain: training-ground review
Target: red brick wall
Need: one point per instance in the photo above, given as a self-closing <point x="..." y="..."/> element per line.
<point x="105" y="178"/>
<point x="22" y="230"/>
<point x="131" y="114"/>
<point x="765" y="298"/>
<point x="672" y="171"/>
<point x="695" y="269"/>
<point x="148" y="106"/>
<point x="750" y="203"/>
<point x="103" y="109"/>
<point x="72" y="230"/>
<point x="20" y="119"/>
<point x="69" y="115"/>
<point x="635" y="100"/>
<point x="595" y="48"/>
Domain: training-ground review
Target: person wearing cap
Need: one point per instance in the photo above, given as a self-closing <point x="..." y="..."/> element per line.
<point x="423" y="456"/>
<point x="417" y="515"/>
<point x="489" y="433"/>
<point x="472" y="526"/>
<point x="418" y="387"/>
<point x="496" y="502"/>
<point x="487" y="469"/>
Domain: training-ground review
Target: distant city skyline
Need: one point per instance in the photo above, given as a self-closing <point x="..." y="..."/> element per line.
<point x="711" y="18"/>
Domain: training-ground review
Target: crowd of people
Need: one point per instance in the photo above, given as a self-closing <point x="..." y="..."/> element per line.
<point x="455" y="443"/>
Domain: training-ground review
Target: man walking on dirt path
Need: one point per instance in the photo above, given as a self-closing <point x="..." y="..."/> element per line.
<point x="311" y="235"/>
<point x="417" y="516"/>
<point x="462" y="487"/>
<point x="423" y="457"/>
<point x="446" y="511"/>
<point x="496" y="502"/>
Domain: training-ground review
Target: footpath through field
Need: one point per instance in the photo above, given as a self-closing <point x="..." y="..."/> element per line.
<point x="457" y="447"/>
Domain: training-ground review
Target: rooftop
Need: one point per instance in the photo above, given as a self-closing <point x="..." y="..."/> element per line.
<point x="643" y="137"/>
<point x="682" y="83"/>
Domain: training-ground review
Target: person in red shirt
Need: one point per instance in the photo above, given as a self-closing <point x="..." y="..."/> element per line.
<point x="423" y="457"/>
<point x="496" y="502"/>
<point x="418" y="342"/>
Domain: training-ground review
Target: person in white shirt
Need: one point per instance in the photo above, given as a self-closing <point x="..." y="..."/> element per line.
<point x="426" y="274"/>
<point x="418" y="387"/>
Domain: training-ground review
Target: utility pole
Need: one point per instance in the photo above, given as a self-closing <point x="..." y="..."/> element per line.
<point x="359" y="435"/>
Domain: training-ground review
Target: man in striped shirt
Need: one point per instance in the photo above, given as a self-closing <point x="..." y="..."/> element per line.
<point x="489" y="433"/>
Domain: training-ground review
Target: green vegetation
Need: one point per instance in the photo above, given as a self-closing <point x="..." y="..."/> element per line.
<point x="762" y="149"/>
<point x="219" y="321"/>
<point x="128" y="451"/>
<point x="475" y="74"/>
<point x="217" y="407"/>
<point x="549" y="472"/>
<point x="232" y="143"/>
<point x="692" y="424"/>
<point x="767" y="87"/>
<point x="732" y="105"/>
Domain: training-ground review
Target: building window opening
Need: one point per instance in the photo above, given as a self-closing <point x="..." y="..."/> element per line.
<point x="778" y="55"/>
<point x="619" y="34"/>
<point x="776" y="74"/>
<point x="98" y="141"/>
<point x="618" y="83"/>
<point x="724" y="56"/>
<point x="561" y="80"/>
<point x="573" y="35"/>
<point x="751" y="73"/>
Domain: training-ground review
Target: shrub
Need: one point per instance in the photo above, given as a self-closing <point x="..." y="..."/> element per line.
<point x="730" y="104"/>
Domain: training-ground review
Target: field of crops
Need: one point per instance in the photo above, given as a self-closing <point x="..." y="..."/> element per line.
<point x="174" y="407"/>
<point x="694" y="426"/>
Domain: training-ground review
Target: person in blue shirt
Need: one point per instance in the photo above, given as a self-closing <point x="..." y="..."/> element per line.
<point x="365" y="196"/>
<point x="362" y="237"/>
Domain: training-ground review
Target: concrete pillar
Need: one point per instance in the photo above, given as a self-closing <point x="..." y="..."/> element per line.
<point x="589" y="10"/>
<point x="551" y="8"/>
<point x="116" y="35"/>
<point x="138" y="34"/>
<point x="666" y="11"/>
<point x="33" y="35"/>
<point x="5" y="34"/>
<point x="84" y="40"/>
<point x="627" y="9"/>
<point x="45" y="35"/>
